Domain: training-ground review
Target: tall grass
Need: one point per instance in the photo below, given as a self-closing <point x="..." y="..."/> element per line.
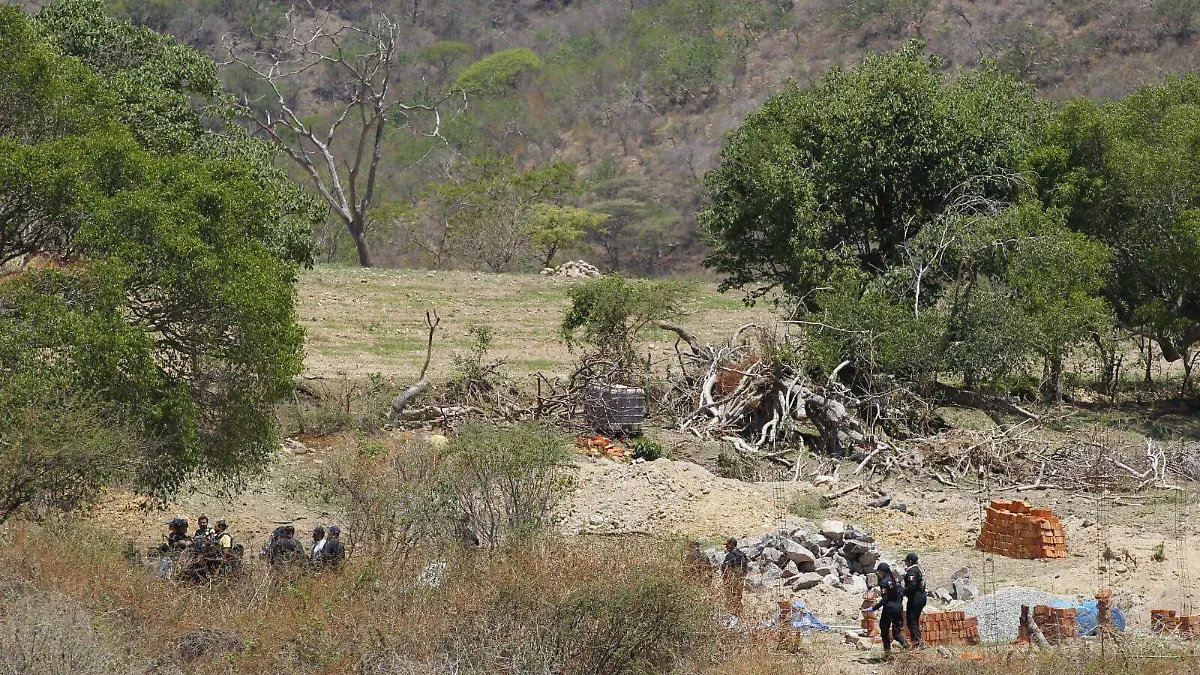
<point x="551" y="605"/>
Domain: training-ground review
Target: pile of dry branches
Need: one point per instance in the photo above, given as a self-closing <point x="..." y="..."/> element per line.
<point x="746" y="393"/>
<point x="1026" y="457"/>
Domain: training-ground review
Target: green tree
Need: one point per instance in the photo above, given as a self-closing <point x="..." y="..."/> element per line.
<point x="840" y="175"/>
<point x="445" y="54"/>
<point x="612" y="313"/>
<point x="554" y="228"/>
<point x="151" y="275"/>
<point x="640" y="227"/>
<point x="487" y="219"/>
<point x="499" y="74"/>
<point x="1122" y="172"/>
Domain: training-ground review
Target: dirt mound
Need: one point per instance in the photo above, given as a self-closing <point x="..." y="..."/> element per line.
<point x="662" y="497"/>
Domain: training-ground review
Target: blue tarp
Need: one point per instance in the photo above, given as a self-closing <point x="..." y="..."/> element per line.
<point x="1088" y="615"/>
<point x="802" y="619"/>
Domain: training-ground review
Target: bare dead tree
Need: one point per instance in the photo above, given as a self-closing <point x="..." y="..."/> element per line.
<point x="365" y="58"/>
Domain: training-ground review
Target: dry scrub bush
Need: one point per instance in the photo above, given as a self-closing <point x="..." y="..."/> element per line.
<point x="489" y="487"/>
<point x="1135" y="656"/>
<point x="49" y="634"/>
<point x="551" y="605"/>
<point x="563" y="607"/>
<point x="388" y="494"/>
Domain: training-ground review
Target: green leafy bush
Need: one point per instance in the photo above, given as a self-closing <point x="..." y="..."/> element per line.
<point x="499" y="73"/>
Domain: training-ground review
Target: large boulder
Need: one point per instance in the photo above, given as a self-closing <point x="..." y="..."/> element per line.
<point x="790" y="570"/>
<point x="833" y="530"/>
<point x="965" y="591"/>
<point x="805" y="581"/>
<point x="819" y="541"/>
<point x="868" y="558"/>
<point x="824" y="566"/>
<point x="853" y="549"/>
<point x="771" y="572"/>
<point x="774" y="555"/>
<point x="797" y="553"/>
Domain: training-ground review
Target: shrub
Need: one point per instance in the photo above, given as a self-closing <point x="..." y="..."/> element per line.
<point x="610" y="314"/>
<point x="58" y="446"/>
<point x="505" y="483"/>
<point x="387" y="491"/>
<point x="498" y="73"/>
<point x="806" y="505"/>
<point x="648" y="450"/>
<point x="49" y="635"/>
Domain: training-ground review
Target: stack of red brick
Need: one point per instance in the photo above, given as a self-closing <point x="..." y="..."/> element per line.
<point x="1057" y="624"/>
<point x="949" y="628"/>
<point x="1015" y="530"/>
<point x="937" y="628"/>
<point x="1169" y="621"/>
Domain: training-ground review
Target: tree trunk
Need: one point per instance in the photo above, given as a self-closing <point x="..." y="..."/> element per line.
<point x="1189" y="362"/>
<point x="1056" y="380"/>
<point x="1149" y="363"/>
<point x="359" y="234"/>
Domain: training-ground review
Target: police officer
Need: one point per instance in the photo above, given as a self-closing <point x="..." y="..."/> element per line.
<point x="733" y="574"/>
<point x="914" y="590"/>
<point x="891" y="599"/>
<point x="286" y="549"/>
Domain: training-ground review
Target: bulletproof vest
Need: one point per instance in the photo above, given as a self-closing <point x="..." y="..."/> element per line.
<point x="914" y="581"/>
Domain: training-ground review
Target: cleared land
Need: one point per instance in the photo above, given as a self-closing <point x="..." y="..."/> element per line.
<point x="362" y="321"/>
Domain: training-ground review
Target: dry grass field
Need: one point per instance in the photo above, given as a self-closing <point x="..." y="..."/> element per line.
<point x="362" y="321"/>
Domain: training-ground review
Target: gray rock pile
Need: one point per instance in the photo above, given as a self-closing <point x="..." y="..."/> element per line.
<point x="999" y="614"/>
<point x="574" y="269"/>
<point x="835" y="554"/>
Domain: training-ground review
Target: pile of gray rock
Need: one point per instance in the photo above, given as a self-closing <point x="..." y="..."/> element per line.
<point x="573" y="269"/>
<point x="835" y="554"/>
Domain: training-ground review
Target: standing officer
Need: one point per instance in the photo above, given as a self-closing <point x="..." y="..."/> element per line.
<point x="891" y="599"/>
<point x="914" y="590"/>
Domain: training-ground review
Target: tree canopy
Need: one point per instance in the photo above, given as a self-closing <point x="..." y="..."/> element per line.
<point x="839" y="175"/>
<point x="1124" y="173"/>
<point x="894" y="206"/>
<point x="148" y="262"/>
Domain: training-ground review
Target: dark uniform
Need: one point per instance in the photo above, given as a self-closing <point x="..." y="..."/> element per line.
<point x="914" y="590"/>
<point x="286" y="550"/>
<point x="891" y="621"/>
<point x="733" y="573"/>
<point x="333" y="553"/>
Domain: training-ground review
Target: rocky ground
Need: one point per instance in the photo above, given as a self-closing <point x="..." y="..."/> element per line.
<point x="679" y="498"/>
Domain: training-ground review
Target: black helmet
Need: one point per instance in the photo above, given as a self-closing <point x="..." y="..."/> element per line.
<point x="911" y="558"/>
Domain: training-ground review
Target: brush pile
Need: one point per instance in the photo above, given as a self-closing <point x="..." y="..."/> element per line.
<point x="747" y="393"/>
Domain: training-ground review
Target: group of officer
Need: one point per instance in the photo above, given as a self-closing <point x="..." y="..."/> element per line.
<point x="207" y="551"/>
<point x="326" y="549"/>
<point x="902" y="600"/>
<point x="210" y="550"/>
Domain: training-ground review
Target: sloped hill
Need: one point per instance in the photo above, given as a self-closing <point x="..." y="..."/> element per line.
<point x="639" y="94"/>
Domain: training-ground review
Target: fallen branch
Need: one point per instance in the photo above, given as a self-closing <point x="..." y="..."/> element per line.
<point x="844" y="491"/>
<point x="683" y="333"/>
<point x="432" y="320"/>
